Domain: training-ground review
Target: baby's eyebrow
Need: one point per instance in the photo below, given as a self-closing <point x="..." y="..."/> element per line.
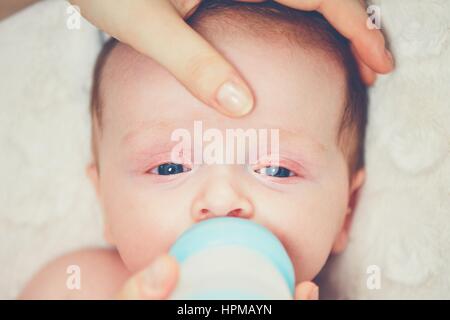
<point x="297" y="141"/>
<point x="301" y="138"/>
<point x="147" y="128"/>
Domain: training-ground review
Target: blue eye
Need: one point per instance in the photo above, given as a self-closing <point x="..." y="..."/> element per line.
<point x="275" y="171"/>
<point x="169" y="168"/>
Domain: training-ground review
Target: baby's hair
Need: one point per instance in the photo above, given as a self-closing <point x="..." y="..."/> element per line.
<point x="272" y="21"/>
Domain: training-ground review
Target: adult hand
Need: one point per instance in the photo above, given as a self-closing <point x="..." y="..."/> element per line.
<point x="157" y="29"/>
<point x="349" y="17"/>
<point x="306" y="290"/>
<point x="159" y="280"/>
<point x="153" y="283"/>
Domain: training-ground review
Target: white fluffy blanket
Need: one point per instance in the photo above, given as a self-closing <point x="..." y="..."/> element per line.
<point x="402" y="225"/>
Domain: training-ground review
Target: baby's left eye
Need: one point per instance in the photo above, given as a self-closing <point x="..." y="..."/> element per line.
<point x="276" y="171"/>
<point x="169" y="168"/>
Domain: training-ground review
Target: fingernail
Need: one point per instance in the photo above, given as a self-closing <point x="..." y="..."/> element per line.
<point x="235" y="99"/>
<point x="155" y="277"/>
<point x="390" y="57"/>
<point x="314" y="294"/>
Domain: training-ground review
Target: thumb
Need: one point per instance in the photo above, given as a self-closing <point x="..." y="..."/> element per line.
<point x="153" y="283"/>
<point x="307" y="290"/>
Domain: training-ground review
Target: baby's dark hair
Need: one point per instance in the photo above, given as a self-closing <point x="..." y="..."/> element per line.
<point x="309" y="30"/>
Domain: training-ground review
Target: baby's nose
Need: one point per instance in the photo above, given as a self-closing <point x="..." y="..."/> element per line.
<point x="205" y="213"/>
<point x="223" y="200"/>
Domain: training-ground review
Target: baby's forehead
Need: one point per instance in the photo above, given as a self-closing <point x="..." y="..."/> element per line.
<point x="125" y="65"/>
<point x="288" y="85"/>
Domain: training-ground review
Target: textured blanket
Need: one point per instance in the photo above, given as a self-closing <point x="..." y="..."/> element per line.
<point x="401" y="231"/>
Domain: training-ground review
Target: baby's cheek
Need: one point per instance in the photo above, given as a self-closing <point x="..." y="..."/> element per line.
<point x="138" y="229"/>
<point x="311" y="240"/>
<point x="307" y="223"/>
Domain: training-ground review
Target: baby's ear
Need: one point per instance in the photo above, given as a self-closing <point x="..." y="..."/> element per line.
<point x="355" y="187"/>
<point x="92" y="173"/>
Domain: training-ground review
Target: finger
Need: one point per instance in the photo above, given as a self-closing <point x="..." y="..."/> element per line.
<point x="194" y="62"/>
<point x="307" y="290"/>
<point x="186" y="7"/>
<point x="157" y="30"/>
<point x="350" y="19"/>
<point x="153" y="283"/>
<point x="367" y="75"/>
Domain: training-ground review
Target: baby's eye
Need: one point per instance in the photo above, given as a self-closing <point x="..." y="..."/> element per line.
<point x="169" y="168"/>
<point x="276" y="171"/>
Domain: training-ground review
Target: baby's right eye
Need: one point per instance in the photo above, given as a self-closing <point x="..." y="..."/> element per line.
<point x="169" y="168"/>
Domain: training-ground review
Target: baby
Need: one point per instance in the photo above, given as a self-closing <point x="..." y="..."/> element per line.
<point x="306" y="85"/>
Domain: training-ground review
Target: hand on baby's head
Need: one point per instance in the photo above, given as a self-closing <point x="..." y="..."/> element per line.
<point x="307" y="87"/>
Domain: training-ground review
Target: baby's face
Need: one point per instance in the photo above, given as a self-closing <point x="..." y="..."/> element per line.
<point x="298" y="92"/>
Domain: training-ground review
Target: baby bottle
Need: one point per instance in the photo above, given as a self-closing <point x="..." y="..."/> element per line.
<point x="232" y="258"/>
